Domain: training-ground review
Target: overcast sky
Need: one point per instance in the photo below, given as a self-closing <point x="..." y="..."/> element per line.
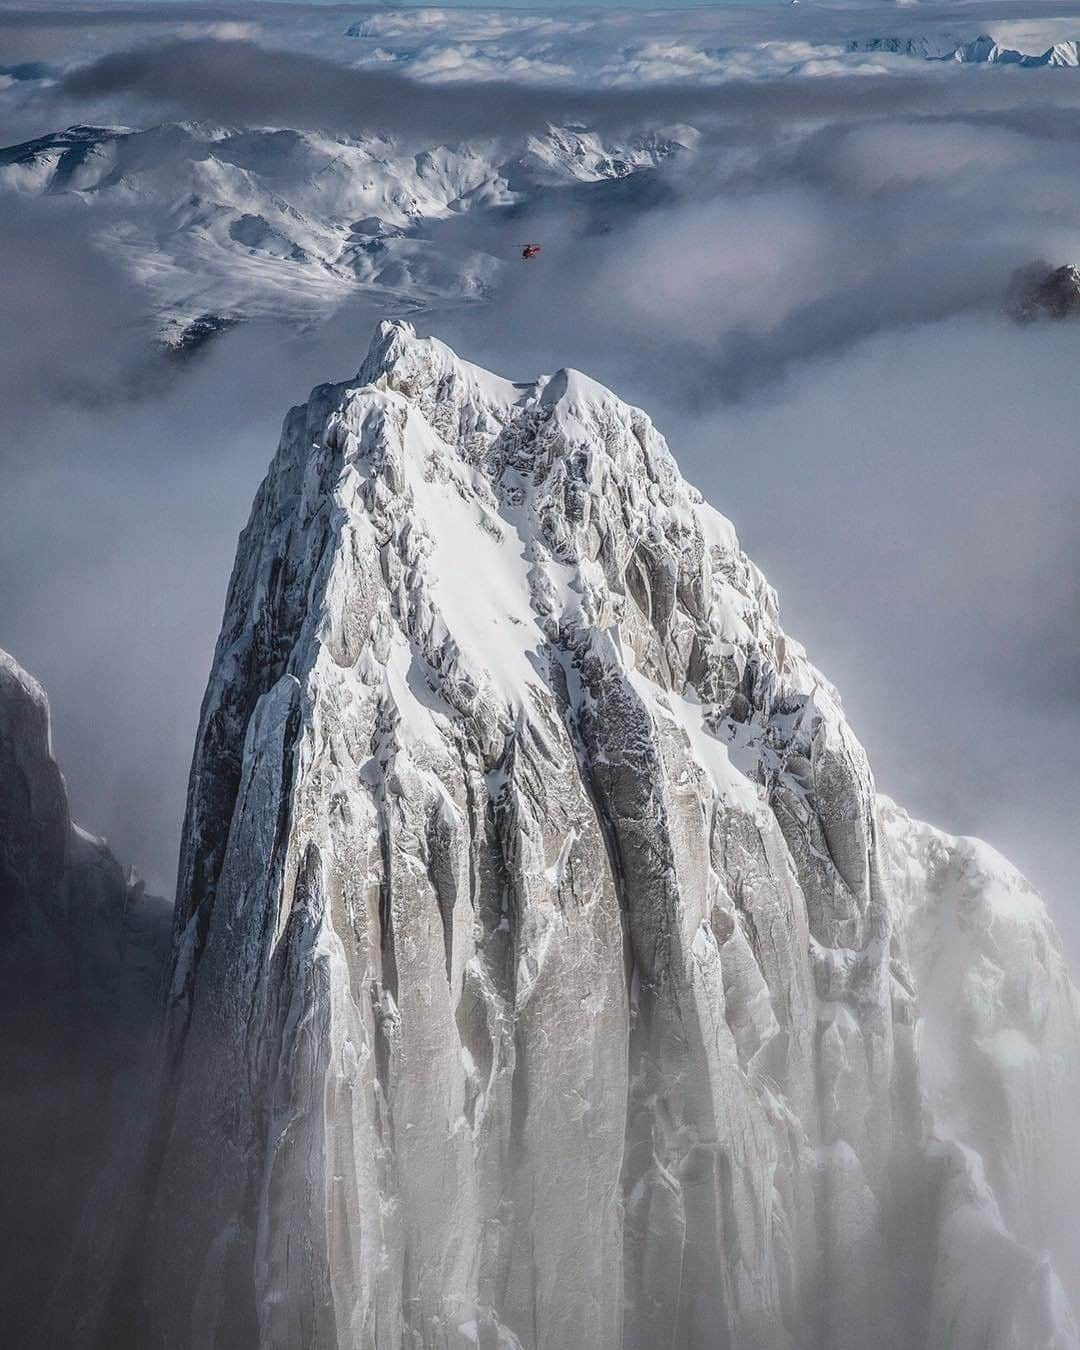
<point x="810" y="307"/>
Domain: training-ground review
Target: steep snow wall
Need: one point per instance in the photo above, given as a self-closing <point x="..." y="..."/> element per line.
<point x="547" y="972"/>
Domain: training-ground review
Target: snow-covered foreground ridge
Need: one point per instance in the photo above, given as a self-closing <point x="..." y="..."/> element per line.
<point x="547" y="972"/>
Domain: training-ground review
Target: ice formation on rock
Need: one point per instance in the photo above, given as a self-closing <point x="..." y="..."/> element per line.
<point x="547" y="972"/>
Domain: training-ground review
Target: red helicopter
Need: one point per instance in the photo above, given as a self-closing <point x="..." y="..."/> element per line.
<point x="530" y="251"/>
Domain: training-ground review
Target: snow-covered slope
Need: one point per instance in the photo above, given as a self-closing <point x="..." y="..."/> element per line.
<point x="547" y="972"/>
<point x="237" y="223"/>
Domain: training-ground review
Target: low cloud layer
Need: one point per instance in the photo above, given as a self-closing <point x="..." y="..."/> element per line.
<point x="244" y="82"/>
<point x="810" y="307"/>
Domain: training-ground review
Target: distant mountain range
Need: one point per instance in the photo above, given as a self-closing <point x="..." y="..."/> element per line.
<point x="982" y="50"/>
<point x="222" y="224"/>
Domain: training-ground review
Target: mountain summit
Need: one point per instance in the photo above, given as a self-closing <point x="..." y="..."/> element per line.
<point x="547" y="971"/>
<point x="1040" y="290"/>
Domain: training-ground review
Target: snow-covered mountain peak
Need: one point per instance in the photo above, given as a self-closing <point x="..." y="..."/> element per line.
<point x="544" y="956"/>
<point x="1040" y="289"/>
<point x="569" y="505"/>
<point x="427" y="370"/>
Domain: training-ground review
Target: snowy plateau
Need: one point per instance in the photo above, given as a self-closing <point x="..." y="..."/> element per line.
<point x="546" y="971"/>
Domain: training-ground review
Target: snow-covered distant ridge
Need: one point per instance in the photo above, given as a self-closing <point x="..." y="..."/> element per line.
<point x="982" y="50"/>
<point x="227" y="223"/>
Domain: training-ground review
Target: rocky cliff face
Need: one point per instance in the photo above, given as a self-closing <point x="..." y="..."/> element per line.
<point x="82" y="951"/>
<point x="547" y="972"/>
